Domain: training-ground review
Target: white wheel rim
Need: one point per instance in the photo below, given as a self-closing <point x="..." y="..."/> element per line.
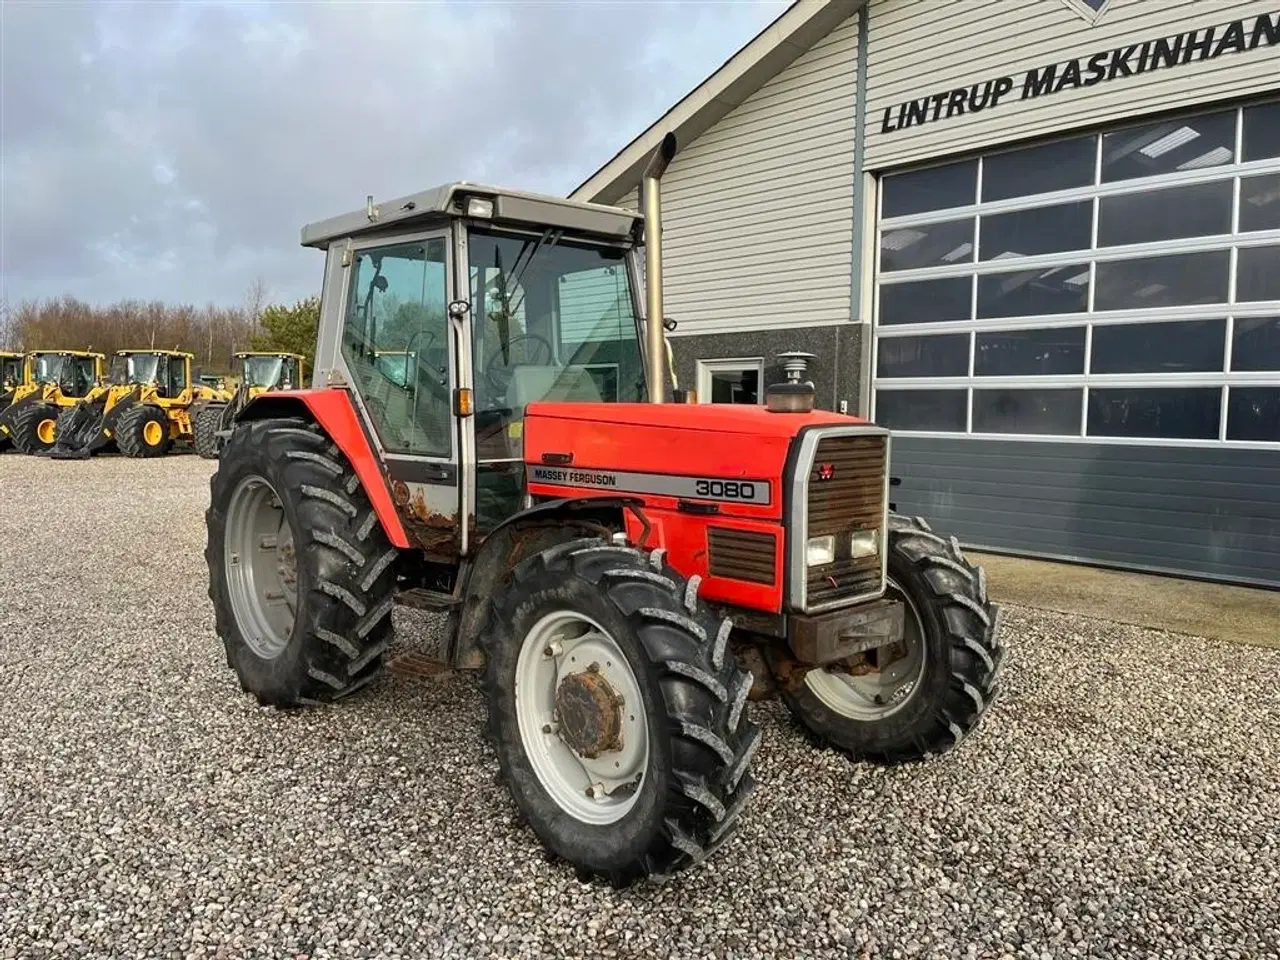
<point x="855" y="697"/>
<point x="576" y="642"/>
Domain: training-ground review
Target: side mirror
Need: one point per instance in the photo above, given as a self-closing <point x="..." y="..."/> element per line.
<point x="669" y="324"/>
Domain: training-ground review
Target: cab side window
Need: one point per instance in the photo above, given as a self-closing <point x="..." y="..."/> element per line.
<point x="396" y="343"/>
<point x="177" y="376"/>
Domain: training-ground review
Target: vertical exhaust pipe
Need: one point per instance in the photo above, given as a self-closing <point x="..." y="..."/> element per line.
<point x="655" y="335"/>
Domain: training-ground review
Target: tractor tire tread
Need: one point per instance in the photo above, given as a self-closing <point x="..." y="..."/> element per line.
<point x="340" y="645"/>
<point x="205" y="424"/>
<point x="711" y="739"/>
<point x="23" y="423"/>
<point x="128" y="432"/>
<point x="953" y="590"/>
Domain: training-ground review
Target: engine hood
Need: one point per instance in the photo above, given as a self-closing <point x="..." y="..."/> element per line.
<point x="718" y="418"/>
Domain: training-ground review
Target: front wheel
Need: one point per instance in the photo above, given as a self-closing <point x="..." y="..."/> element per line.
<point x="143" y="431"/>
<point x="617" y="711"/>
<point x="923" y="695"/>
<point x="34" y="427"/>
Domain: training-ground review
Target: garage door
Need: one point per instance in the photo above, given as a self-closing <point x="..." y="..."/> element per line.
<point x="1078" y="343"/>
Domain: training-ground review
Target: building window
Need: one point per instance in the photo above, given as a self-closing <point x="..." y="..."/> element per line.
<point x="731" y="381"/>
<point x="1122" y="286"/>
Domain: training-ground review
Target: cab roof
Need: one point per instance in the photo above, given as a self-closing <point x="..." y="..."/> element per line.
<point x="269" y="353"/>
<point x="66" y="353"/>
<point x="154" y="351"/>
<point x="435" y="207"/>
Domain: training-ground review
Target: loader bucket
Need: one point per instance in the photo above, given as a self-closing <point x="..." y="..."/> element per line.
<point x="89" y="430"/>
<point x="80" y="433"/>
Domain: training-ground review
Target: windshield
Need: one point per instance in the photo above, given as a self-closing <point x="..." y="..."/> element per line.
<point x="553" y="319"/>
<point x="49" y="367"/>
<point x="143" y="367"/>
<point x="262" y="371"/>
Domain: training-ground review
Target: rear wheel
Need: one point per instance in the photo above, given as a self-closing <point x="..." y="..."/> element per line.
<point x="34" y="427"/>
<point x="924" y="695"/>
<point x="143" y="431"/>
<point x="301" y="574"/>
<point x="616" y="710"/>
<point x="204" y="428"/>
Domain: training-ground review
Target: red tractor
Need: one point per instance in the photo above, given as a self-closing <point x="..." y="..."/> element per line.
<point x="488" y="434"/>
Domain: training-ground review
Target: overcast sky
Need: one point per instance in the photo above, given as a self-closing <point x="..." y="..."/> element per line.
<point x="173" y="151"/>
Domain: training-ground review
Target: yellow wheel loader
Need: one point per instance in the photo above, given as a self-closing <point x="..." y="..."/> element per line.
<point x="145" y="407"/>
<point x="257" y="373"/>
<point x="53" y="381"/>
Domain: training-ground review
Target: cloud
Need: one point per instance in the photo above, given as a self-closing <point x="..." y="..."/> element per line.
<point x="165" y="150"/>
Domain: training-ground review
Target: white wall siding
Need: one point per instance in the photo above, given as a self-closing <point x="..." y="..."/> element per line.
<point x="758" y="210"/>
<point x="917" y="48"/>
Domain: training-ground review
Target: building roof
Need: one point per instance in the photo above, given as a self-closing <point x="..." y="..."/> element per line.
<point x="449" y="200"/>
<point x="770" y="52"/>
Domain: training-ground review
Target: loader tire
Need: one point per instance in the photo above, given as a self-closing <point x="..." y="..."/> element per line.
<point x="143" y="431"/>
<point x="951" y="666"/>
<point x="33" y="427"/>
<point x="331" y="563"/>
<point x="661" y="649"/>
<point x="204" y="427"/>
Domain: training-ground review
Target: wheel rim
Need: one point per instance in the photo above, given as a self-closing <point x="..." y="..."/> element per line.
<point x="152" y="434"/>
<point x="46" y="430"/>
<point x="261" y="567"/>
<point x="581" y="718"/>
<point x="877" y="695"/>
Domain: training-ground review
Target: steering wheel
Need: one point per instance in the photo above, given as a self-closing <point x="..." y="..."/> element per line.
<point x="499" y="377"/>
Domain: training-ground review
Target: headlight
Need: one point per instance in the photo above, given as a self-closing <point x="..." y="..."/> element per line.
<point x="480" y="207"/>
<point x="820" y="550"/>
<point x="864" y="543"/>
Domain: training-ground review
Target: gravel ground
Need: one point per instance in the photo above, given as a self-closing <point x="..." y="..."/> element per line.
<point x="1120" y="801"/>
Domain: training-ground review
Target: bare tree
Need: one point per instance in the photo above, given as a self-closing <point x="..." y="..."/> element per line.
<point x="255" y="302"/>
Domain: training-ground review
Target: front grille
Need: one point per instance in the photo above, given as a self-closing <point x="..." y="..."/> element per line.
<point x="741" y="555"/>
<point x="846" y="493"/>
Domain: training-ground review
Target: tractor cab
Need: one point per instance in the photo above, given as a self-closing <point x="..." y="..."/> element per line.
<point x="73" y="372"/>
<point x="448" y="312"/>
<point x="269" y="371"/>
<point x="166" y="372"/>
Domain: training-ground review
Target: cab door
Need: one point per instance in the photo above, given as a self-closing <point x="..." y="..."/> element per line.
<point x="396" y="351"/>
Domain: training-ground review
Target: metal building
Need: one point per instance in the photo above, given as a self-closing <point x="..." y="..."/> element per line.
<point x="1038" y="238"/>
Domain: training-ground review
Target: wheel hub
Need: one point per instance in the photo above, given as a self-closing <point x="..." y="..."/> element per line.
<point x="590" y="713"/>
<point x="287" y="566"/>
<point x="581" y="716"/>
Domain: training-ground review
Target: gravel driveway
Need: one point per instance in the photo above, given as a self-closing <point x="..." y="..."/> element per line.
<point x="1122" y="799"/>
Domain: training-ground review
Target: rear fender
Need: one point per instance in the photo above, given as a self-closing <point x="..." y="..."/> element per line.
<point x="516" y="538"/>
<point x="333" y="411"/>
